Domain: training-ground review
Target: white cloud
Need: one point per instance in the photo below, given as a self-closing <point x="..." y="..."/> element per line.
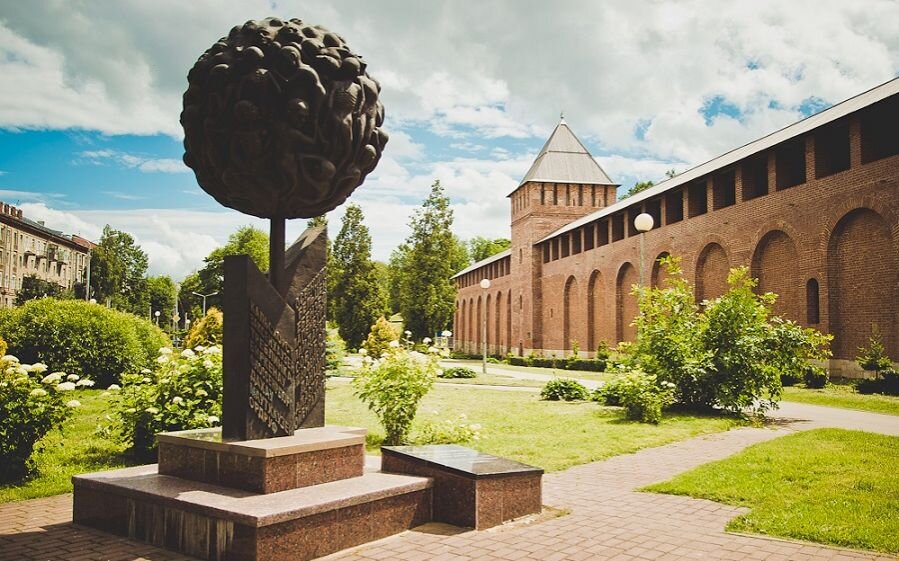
<point x="141" y="163"/>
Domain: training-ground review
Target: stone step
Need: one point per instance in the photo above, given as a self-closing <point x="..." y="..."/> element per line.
<point x="218" y="523"/>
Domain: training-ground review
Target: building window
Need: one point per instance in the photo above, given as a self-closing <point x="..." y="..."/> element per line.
<point x="755" y="177"/>
<point x="832" y="149"/>
<point x="724" y="190"/>
<point x="617" y="226"/>
<point x="632" y="215"/>
<point x="566" y="245"/>
<point x="654" y="209"/>
<point x="790" y="157"/>
<point x="812" y="302"/>
<point x="589" y="237"/>
<point x="878" y="128"/>
<point x="697" y="200"/>
<point x="576" y="241"/>
<point x="674" y="207"/>
<point x="603" y="237"/>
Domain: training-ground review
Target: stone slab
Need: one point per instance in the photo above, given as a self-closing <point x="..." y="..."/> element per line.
<point x="309" y="457"/>
<point x="243" y="507"/>
<point x="303" y="440"/>
<point x="471" y="489"/>
<point x="217" y="523"/>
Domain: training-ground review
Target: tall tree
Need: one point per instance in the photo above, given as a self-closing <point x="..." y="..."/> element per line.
<point x="118" y="270"/>
<point x="481" y="248"/>
<point x="247" y="240"/>
<point x="433" y="255"/>
<point x="161" y="295"/>
<point x="638" y="186"/>
<point x="357" y="294"/>
<point x="34" y="287"/>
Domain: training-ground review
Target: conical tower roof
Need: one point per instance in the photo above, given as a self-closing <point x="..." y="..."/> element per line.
<point x="564" y="159"/>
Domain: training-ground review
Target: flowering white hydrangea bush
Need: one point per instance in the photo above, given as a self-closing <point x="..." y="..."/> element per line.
<point x="183" y="392"/>
<point x="393" y="385"/>
<point x="31" y="405"/>
<point x="448" y="430"/>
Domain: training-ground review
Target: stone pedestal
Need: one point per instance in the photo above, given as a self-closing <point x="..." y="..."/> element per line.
<point x="289" y="498"/>
<point x="471" y="488"/>
<point x="309" y="457"/>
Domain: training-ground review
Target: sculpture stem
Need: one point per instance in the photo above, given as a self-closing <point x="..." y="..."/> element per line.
<point x="276" y="254"/>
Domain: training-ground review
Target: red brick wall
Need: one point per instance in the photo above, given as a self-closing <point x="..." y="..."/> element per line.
<point x="840" y="230"/>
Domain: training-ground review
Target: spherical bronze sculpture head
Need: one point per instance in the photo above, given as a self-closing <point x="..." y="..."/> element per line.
<point x="281" y="120"/>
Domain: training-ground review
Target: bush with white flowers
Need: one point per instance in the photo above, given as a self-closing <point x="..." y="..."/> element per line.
<point x="183" y="392"/>
<point x="393" y="385"/>
<point x="31" y="405"/>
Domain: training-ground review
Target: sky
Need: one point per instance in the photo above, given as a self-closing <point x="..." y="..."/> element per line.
<point x="90" y="96"/>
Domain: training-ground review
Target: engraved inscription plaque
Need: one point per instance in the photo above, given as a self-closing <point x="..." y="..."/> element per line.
<point x="274" y="347"/>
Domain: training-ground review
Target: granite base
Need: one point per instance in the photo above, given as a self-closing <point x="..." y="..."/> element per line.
<point x="309" y="457"/>
<point x="471" y="489"/>
<point x="221" y="524"/>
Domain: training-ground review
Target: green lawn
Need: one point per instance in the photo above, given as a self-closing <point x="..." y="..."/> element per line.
<point x="829" y="486"/>
<point x="551" y="434"/>
<point x="74" y="450"/>
<point x="558" y="372"/>
<point x="844" y="396"/>
<point x="494" y="380"/>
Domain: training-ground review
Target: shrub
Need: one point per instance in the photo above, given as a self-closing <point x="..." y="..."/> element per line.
<point x="642" y="396"/>
<point x="31" y="405"/>
<point x="874" y="357"/>
<point x="79" y="337"/>
<point x="380" y="337"/>
<point x="517" y="361"/>
<point x="184" y="392"/>
<point x="602" y="351"/>
<point x="729" y="355"/>
<point x="209" y="330"/>
<point x="815" y="377"/>
<point x="563" y="389"/>
<point x="790" y="379"/>
<point x="586" y="364"/>
<point x="458" y="372"/>
<point x="607" y="394"/>
<point x="493" y="360"/>
<point x="335" y="349"/>
<point x="886" y="382"/>
<point x="393" y="386"/>
<point x="2" y="347"/>
<point x="448" y="431"/>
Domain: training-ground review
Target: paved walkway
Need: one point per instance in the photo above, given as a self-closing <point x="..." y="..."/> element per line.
<point x="607" y="518"/>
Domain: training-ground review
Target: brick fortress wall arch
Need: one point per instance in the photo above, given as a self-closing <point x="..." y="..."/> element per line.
<point x="625" y="302"/>
<point x="712" y="267"/>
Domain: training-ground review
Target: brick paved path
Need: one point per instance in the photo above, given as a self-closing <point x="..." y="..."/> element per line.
<point x="607" y="520"/>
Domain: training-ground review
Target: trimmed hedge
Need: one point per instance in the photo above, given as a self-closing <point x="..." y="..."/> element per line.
<point x="586" y="364"/>
<point x="81" y="338"/>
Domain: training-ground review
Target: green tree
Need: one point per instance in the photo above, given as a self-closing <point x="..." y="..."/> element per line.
<point x="395" y="268"/>
<point x="481" y="248"/>
<point x="34" y="287"/>
<point x="357" y="294"/>
<point x="161" y="294"/>
<point x="247" y="240"/>
<point x="118" y="272"/>
<point x="638" y="186"/>
<point x="432" y="255"/>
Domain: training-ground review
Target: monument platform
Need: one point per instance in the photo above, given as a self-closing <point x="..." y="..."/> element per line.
<point x="221" y="524"/>
<point x="471" y="488"/>
<point x="309" y="457"/>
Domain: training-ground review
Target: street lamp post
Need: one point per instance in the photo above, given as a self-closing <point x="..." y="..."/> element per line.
<point x="485" y="284"/>
<point x="156" y="313"/>
<point x="204" y="297"/>
<point x="643" y="223"/>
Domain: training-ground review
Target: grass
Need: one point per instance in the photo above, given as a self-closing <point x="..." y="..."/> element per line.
<point x="844" y="396"/>
<point x="829" y="486"/>
<point x="494" y="380"/>
<point x="558" y="372"/>
<point x="69" y="452"/>
<point x="550" y="434"/>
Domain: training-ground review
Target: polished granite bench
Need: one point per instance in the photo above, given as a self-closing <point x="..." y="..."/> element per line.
<point x="471" y="489"/>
